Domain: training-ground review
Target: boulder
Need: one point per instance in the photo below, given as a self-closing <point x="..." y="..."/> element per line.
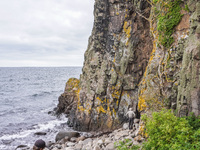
<point x="136" y="120"/>
<point x="78" y="146"/>
<point x="73" y="139"/>
<point x="69" y="148"/>
<point x="21" y="147"/>
<point x="110" y="146"/>
<point x="136" y="125"/>
<point x="86" y="141"/>
<point x="40" y="133"/>
<point x="70" y="144"/>
<point x="63" y="134"/>
<point x="125" y="126"/>
<point x="97" y="148"/>
<point x="81" y="138"/>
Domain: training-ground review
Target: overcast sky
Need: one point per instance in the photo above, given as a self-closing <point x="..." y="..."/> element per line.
<point x="44" y="32"/>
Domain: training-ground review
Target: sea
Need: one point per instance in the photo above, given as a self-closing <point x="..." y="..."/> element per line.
<point x="27" y="96"/>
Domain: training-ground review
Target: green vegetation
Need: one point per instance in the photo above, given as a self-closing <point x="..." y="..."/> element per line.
<point x="167" y="131"/>
<point x="186" y="8"/>
<point x="169" y="16"/>
<point x="126" y="145"/>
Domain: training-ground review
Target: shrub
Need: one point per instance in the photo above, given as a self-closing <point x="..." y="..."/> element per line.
<point x="126" y="145"/>
<point x="168" y="132"/>
<point x="167" y="20"/>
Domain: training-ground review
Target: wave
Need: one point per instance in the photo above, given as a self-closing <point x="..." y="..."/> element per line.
<point x="35" y="128"/>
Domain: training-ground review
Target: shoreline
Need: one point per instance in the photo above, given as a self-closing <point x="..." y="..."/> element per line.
<point x="91" y="140"/>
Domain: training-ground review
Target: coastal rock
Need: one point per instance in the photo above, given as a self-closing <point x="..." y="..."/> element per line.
<point x="104" y="141"/>
<point x="136" y="121"/>
<point x="81" y="138"/>
<point x="68" y="98"/>
<point x="97" y="148"/>
<point x="69" y="148"/>
<point x="40" y="133"/>
<point x="110" y="146"/>
<point x="125" y="126"/>
<point x="70" y="144"/>
<point x="129" y="63"/>
<point x="22" y="147"/>
<point x="73" y="139"/>
<point x="62" y="134"/>
<point x="115" y="61"/>
<point x="78" y="146"/>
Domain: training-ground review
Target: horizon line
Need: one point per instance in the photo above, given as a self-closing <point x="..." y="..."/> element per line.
<point x="35" y="66"/>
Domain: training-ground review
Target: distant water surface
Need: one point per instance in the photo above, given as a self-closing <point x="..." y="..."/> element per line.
<point x="27" y="94"/>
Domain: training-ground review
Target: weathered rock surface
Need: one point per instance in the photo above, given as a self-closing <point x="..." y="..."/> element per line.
<point x="126" y="65"/>
<point x="172" y="76"/>
<point x="116" y="58"/>
<point x="62" y="134"/>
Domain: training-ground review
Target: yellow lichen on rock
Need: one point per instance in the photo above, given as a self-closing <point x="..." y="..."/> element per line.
<point x="142" y="130"/>
<point x="72" y="84"/>
<point x="127" y="30"/>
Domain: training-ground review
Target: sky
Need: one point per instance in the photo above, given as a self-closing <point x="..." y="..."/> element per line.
<point x="38" y="33"/>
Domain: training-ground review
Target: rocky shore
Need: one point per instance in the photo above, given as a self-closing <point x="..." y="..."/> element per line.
<point x="99" y="141"/>
<point x="72" y="140"/>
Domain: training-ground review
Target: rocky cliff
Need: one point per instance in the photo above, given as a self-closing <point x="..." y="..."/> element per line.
<point x="142" y="54"/>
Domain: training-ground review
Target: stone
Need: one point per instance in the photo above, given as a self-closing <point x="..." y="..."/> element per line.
<point x="58" y="146"/>
<point x="62" y="134"/>
<point x="100" y="141"/>
<point x="86" y="141"/>
<point x="110" y="146"/>
<point x="97" y="148"/>
<point x="124" y="133"/>
<point x="137" y="125"/>
<point x="78" y="146"/>
<point x="81" y="138"/>
<point x="135" y="143"/>
<point x="49" y="144"/>
<point x="125" y="126"/>
<point x="70" y="144"/>
<point x="117" y="137"/>
<point x="22" y="147"/>
<point x="73" y="139"/>
<point x="40" y="133"/>
<point x="136" y="120"/>
<point x="87" y="147"/>
<point x="138" y="138"/>
<point x="69" y="148"/>
<point x="107" y="140"/>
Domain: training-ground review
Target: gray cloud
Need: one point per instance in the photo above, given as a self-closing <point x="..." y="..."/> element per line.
<point x="44" y="32"/>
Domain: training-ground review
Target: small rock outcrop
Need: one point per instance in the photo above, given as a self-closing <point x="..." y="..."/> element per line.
<point x="68" y="100"/>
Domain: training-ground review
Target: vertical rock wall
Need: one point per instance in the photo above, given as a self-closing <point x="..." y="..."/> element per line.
<point x="141" y="54"/>
<point x="116" y="58"/>
<point x="172" y="76"/>
<point x="188" y="98"/>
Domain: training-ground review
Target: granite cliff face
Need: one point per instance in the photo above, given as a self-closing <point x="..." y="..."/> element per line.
<point x="141" y="54"/>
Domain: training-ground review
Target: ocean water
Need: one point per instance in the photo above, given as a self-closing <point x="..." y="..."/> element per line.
<point x="27" y="94"/>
